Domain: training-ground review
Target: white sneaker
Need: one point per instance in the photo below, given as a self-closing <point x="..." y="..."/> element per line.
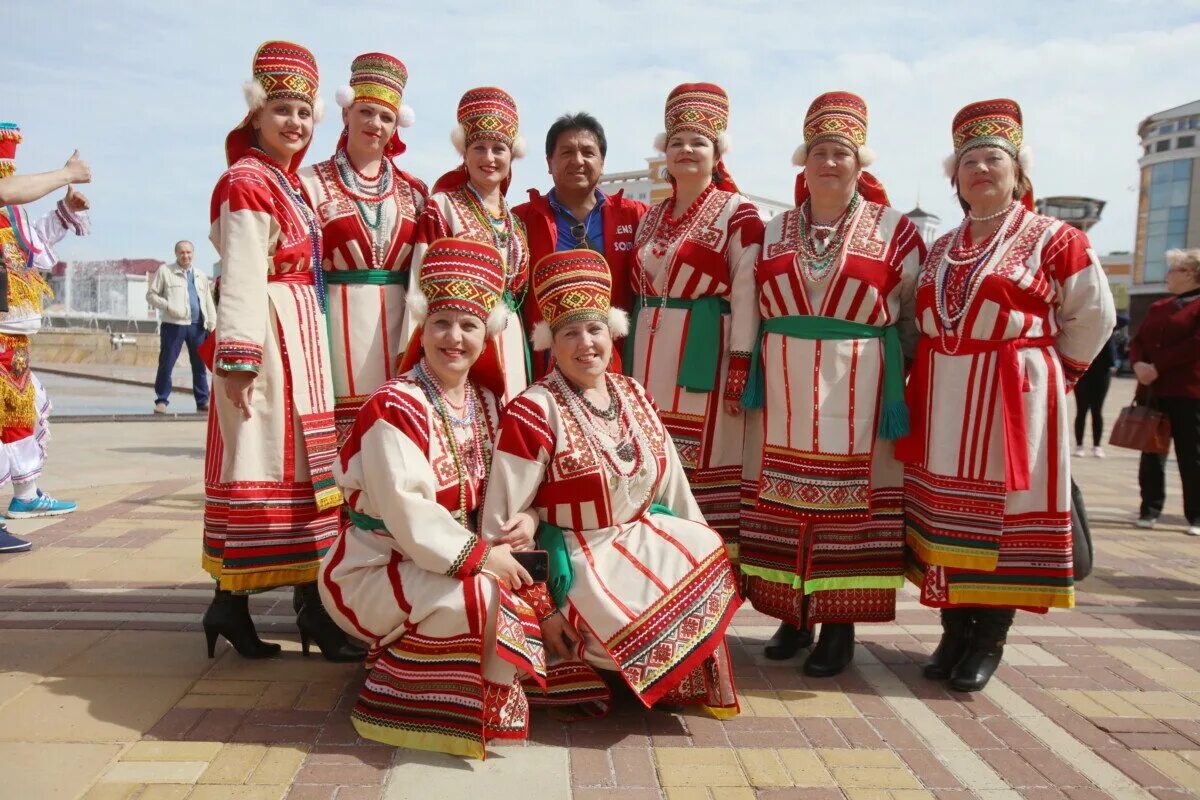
<point x="1080" y="452"/>
<point x="1193" y="530"/>
<point x="1146" y="523"/>
<point x="1098" y="451"/>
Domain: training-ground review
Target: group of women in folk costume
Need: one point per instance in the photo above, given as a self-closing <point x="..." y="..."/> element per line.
<point x="765" y="414"/>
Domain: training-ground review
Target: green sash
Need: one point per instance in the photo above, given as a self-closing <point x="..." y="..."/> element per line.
<point x="893" y="417"/>
<point x="367" y="523"/>
<point x="701" y="350"/>
<point x="562" y="574"/>
<point x="371" y="277"/>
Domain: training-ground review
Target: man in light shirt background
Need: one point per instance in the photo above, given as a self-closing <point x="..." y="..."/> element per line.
<point x="184" y="301"/>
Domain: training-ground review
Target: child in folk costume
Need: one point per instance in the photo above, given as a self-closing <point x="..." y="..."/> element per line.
<point x="822" y="532"/>
<point x="412" y="575"/>
<point x="1012" y="307"/>
<point x="271" y="504"/>
<point x="368" y="209"/>
<point x="26" y="251"/>
<point x="634" y="567"/>
<point x="695" y="315"/>
<point x="468" y="202"/>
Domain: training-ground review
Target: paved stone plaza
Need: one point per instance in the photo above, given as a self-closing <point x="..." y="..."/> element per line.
<point x="106" y="693"/>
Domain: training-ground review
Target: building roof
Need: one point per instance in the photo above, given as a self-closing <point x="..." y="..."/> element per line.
<point x="129" y="266"/>
<point x="920" y="213"/>
<point x="1185" y="110"/>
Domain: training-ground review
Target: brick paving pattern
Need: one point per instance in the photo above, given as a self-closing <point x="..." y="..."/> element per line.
<point x="106" y="693"/>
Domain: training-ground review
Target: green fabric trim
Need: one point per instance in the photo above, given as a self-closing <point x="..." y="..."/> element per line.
<point x="236" y="366"/>
<point x="562" y="575"/>
<point x="893" y="417"/>
<point x="364" y="521"/>
<point x="865" y="582"/>
<point x="702" y="348"/>
<point x="773" y="575"/>
<point x="370" y="277"/>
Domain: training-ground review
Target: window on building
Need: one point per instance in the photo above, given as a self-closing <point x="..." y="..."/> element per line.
<point x="1170" y="126"/>
<point x="1185" y="141"/>
<point x="1166" y="225"/>
<point x="1162" y="145"/>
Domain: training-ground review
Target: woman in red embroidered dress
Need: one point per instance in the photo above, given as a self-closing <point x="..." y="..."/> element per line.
<point x="1013" y="306"/>
<point x="411" y="575"/>
<point x="822" y="530"/>
<point x="634" y="567"/>
<point x="271" y="504"/>
<point x="694" y="275"/>
<point x="468" y="202"/>
<point x="368" y="210"/>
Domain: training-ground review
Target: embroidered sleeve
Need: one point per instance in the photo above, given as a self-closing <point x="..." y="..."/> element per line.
<point x="1085" y="308"/>
<point x="739" y="371"/>
<point x="742" y="255"/>
<point x="470" y="561"/>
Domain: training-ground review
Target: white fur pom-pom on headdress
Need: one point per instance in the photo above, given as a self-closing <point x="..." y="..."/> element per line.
<point x="541" y="337"/>
<point x="518" y="147"/>
<point x="866" y="156"/>
<point x="416" y="305"/>
<point x="344" y="96"/>
<point x="458" y="137"/>
<point x="950" y="165"/>
<point x="318" y="106"/>
<point x="255" y="94"/>
<point x="800" y="155"/>
<point x="660" y="142"/>
<point x="618" y="322"/>
<point x="497" y="319"/>
<point x="724" y="144"/>
<point x="1025" y="158"/>
<point x="406" y="116"/>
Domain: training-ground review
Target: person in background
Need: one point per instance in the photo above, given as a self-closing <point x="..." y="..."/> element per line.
<point x="577" y="215"/>
<point x="1089" y="397"/>
<point x="184" y="301"/>
<point x="1166" y="360"/>
<point x="26" y="250"/>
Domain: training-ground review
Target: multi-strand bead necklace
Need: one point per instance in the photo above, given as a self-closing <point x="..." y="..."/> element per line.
<point x="310" y="221"/>
<point x="816" y="266"/>
<point x="368" y="196"/>
<point x="976" y="258"/>
<point x="476" y="461"/>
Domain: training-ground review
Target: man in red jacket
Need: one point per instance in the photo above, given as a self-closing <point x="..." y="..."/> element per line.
<point x="577" y="215"/>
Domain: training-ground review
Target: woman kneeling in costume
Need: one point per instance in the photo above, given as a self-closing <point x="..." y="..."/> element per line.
<point x="643" y="584"/>
<point x="451" y="618"/>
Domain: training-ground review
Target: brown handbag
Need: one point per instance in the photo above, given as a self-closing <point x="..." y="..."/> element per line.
<point x="1142" y="428"/>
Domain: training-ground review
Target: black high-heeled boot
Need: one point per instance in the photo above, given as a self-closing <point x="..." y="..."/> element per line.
<point x="229" y="615"/>
<point x="834" y="650"/>
<point x="787" y="641"/>
<point x="956" y="634"/>
<point x="315" y="624"/>
<point x="985" y="649"/>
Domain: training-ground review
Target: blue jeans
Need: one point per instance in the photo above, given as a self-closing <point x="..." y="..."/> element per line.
<point x="172" y="338"/>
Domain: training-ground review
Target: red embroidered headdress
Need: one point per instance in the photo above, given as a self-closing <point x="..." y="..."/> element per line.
<point x="701" y="108"/>
<point x="839" y="117"/>
<point x="281" y="70"/>
<point x="10" y="137"/>
<point x="461" y="275"/>
<point x="570" y="286"/>
<point x="991" y="123"/>
<point x="379" y="78"/>
<point x="483" y="113"/>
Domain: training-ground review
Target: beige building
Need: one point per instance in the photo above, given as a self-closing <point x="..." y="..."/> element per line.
<point x="1168" y="198"/>
<point x="650" y="185"/>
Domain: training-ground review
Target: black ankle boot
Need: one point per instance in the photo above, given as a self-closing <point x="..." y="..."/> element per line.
<point x="834" y="650"/>
<point x="984" y="650"/>
<point x="787" y="641"/>
<point x="956" y="632"/>
<point x="315" y="624"/>
<point x="229" y="615"/>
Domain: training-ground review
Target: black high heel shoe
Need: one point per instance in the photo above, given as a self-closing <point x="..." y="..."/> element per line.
<point x="316" y="625"/>
<point x="229" y="615"/>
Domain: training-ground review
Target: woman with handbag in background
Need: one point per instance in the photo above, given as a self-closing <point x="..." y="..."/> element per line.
<point x="1165" y="354"/>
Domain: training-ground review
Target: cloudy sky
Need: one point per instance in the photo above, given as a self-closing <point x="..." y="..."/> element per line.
<point x="148" y="90"/>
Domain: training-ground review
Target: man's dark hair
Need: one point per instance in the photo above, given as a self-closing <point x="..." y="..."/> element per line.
<point x="581" y="121"/>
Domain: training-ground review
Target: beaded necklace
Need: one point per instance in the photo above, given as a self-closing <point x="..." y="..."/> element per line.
<point x="666" y="232"/>
<point x="479" y="445"/>
<point x="503" y="231"/>
<point x="626" y="459"/>
<point x="310" y="221"/>
<point x="817" y="266"/>
<point x="368" y="199"/>
<point x="976" y="258"/>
